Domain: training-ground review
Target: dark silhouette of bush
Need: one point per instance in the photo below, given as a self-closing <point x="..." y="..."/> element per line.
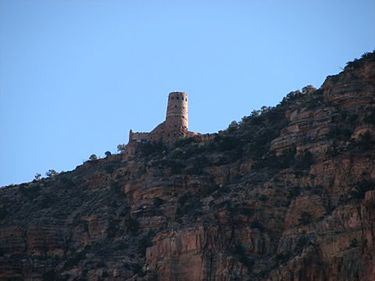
<point x="240" y="253"/>
<point x="305" y="218"/>
<point x="304" y="160"/>
<point x="188" y="204"/>
<point x="157" y="202"/>
<point x="361" y="188"/>
<point x="370" y="56"/>
<point x="370" y="117"/>
<point x="51" y="173"/>
<point x="365" y="141"/>
<point x="257" y="225"/>
<point x="150" y="148"/>
<point x="93" y="157"/>
<point x="340" y="133"/>
<point x="3" y="213"/>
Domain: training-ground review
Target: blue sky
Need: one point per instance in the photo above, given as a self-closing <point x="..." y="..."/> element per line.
<point x="75" y="76"/>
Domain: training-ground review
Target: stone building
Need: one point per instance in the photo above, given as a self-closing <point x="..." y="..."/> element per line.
<point x="175" y="126"/>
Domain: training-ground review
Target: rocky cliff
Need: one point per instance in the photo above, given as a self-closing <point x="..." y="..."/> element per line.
<point x="286" y="194"/>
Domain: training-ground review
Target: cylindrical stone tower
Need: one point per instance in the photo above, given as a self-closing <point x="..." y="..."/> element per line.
<point x="177" y="112"/>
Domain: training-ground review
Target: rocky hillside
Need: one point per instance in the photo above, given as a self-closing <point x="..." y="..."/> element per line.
<point x="286" y="194"/>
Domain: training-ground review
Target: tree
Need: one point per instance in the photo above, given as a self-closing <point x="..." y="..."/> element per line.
<point x="108" y="153"/>
<point x="51" y="173"/>
<point x="308" y="89"/>
<point x="121" y="147"/>
<point x="233" y="126"/>
<point x="305" y="218"/>
<point x="37" y="176"/>
<point x="93" y="157"/>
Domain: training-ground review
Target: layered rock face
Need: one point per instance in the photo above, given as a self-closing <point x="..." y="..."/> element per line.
<point x="287" y="194"/>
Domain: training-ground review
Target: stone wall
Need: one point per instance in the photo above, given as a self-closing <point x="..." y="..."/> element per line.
<point x="173" y="128"/>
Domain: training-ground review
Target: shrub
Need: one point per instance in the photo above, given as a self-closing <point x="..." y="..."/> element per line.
<point x="49" y="275"/>
<point x="149" y="148"/>
<point x="370" y="117"/>
<point x="240" y="253"/>
<point x="233" y="126"/>
<point x="257" y="225"/>
<point x="157" y="202"/>
<point x="291" y="96"/>
<point x="224" y="143"/>
<point x="353" y="243"/>
<point x="287" y="157"/>
<point x="304" y="161"/>
<point x="132" y="224"/>
<point x="3" y="213"/>
<point x="184" y="141"/>
<point x="309" y="89"/>
<point x="370" y="56"/>
<point x="37" y="176"/>
<point x="293" y="192"/>
<point x="361" y="188"/>
<point x="198" y="165"/>
<point x="107" y="153"/>
<point x="338" y="133"/>
<point x="121" y="147"/>
<point x="145" y="242"/>
<point x="365" y="141"/>
<point x="187" y="204"/>
<point x="109" y="168"/>
<point x="245" y="211"/>
<point x="51" y="173"/>
<point x="305" y="218"/>
<point x="30" y="192"/>
<point x="93" y="157"/>
<point x="177" y="167"/>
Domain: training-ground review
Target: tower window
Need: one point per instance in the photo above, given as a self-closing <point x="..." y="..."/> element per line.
<point x="177" y="98"/>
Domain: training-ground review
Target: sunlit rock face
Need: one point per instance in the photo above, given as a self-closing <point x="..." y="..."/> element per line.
<point x="287" y="194"/>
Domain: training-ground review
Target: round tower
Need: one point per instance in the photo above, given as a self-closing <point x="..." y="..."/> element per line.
<point x="177" y="112"/>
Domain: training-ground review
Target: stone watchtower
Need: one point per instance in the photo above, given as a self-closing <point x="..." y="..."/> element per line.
<point x="175" y="126"/>
<point x="177" y="113"/>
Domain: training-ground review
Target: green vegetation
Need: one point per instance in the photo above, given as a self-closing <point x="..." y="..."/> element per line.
<point x="93" y="157"/>
<point x="370" y="117"/>
<point x="132" y="224"/>
<point x="353" y="243"/>
<point x="305" y="218"/>
<point x="340" y="133"/>
<point x="148" y="149"/>
<point x="188" y="204"/>
<point x="257" y="225"/>
<point x="240" y="253"/>
<point x="37" y="176"/>
<point x="360" y="188"/>
<point x="366" y="57"/>
<point x="145" y="242"/>
<point x="3" y="212"/>
<point x="365" y="141"/>
<point x="121" y="147"/>
<point x="304" y="160"/>
<point x="51" y="173"/>
<point x="157" y="202"/>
